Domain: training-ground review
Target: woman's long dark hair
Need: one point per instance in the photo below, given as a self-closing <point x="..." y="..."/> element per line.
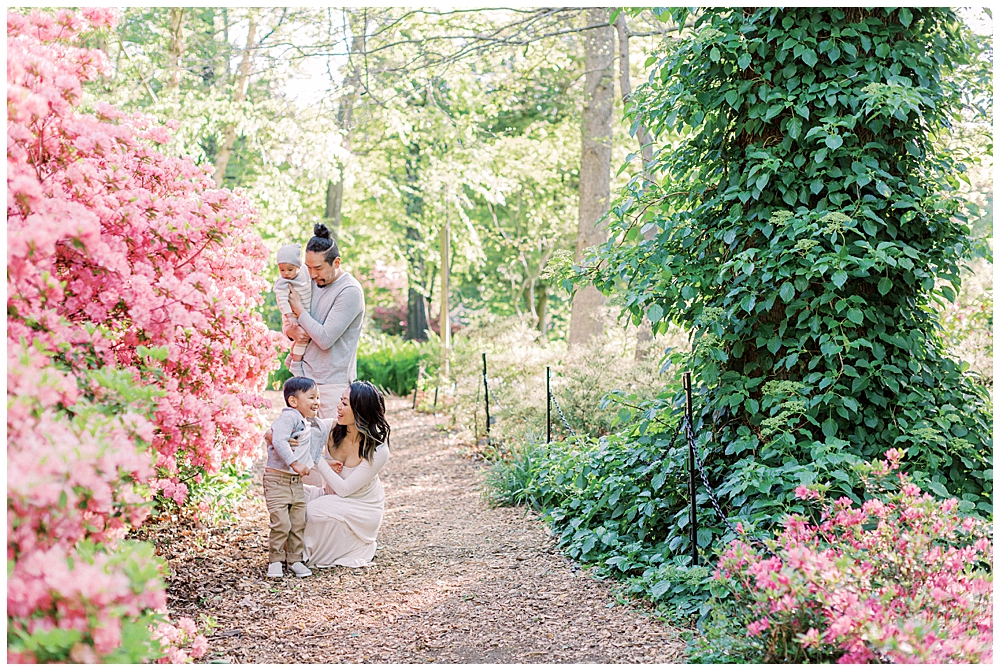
<point x="368" y="407"/>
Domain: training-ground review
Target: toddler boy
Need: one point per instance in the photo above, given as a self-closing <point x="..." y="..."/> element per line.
<point x="286" y="501"/>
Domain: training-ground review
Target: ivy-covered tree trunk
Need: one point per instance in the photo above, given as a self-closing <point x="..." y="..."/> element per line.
<point x="595" y="166"/>
<point x="804" y="227"/>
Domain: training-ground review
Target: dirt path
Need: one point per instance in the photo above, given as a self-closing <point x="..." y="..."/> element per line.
<point x="453" y="581"/>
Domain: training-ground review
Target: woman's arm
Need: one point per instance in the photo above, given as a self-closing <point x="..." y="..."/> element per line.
<point x="361" y="476"/>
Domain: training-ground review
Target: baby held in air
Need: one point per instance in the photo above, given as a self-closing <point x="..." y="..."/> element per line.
<point x="294" y="276"/>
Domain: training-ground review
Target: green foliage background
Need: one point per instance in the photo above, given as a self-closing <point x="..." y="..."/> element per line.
<point x="805" y="222"/>
<point x="804" y="228"/>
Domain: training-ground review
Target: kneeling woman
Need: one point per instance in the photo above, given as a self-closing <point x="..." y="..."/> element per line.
<point x="343" y="516"/>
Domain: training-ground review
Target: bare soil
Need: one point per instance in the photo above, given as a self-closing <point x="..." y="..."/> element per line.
<point x="453" y="580"/>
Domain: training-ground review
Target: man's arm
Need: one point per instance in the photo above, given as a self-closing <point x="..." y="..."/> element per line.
<point x="346" y="308"/>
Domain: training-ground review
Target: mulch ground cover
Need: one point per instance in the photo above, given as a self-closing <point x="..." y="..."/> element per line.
<point x="453" y="580"/>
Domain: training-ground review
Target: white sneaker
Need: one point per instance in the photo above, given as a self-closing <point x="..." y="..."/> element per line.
<point x="274" y="570"/>
<point x="299" y="569"/>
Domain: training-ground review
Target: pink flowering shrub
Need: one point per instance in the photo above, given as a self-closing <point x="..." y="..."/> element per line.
<point x="902" y="578"/>
<point x="135" y="355"/>
<point x="118" y="253"/>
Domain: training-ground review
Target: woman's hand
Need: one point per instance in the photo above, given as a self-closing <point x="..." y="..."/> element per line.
<point x="337" y="466"/>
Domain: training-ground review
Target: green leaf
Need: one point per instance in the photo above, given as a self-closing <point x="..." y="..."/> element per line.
<point x="829" y="428"/>
<point x="744" y="61"/>
<point x="905" y="17"/>
<point x="834" y="141"/>
<point x="856" y="315"/>
<point x="795" y="127"/>
<point x="884" y="286"/>
<point x="715" y="55"/>
<point x="938" y="489"/>
<point x="809" y="57"/>
<point x="839" y="278"/>
<point x="787" y="292"/>
<point x="654" y="312"/>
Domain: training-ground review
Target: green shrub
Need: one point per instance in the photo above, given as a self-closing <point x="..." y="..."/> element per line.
<point x="803" y="228"/>
<point x="391" y="363"/>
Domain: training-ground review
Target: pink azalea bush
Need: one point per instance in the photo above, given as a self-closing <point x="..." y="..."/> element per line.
<point x="902" y="578"/>
<point x="135" y="355"/>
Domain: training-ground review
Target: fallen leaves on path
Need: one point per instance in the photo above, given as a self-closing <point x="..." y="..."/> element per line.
<point x="453" y="581"/>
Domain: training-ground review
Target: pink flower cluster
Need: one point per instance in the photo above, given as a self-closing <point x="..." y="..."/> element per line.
<point x="902" y="578"/>
<point x="121" y="261"/>
<point x="113" y="245"/>
<point x="175" y="638"/>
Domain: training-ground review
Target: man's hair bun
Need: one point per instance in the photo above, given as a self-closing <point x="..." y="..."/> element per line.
<point x="321" y="231"/>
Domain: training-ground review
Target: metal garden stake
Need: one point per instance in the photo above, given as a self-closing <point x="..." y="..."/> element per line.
<point x="692" y="489"/>
<point x="486" y="387"/>
<point x="548" y="404"/>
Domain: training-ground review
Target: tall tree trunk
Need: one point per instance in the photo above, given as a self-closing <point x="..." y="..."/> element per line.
<point x="595" y="166"/>
<point x="332" y="213"/>
<point x="445" y="304"/>
<point x="416" y="315"/>
<point x="644" y="338"/>
<point x="176" y="50"/>
<point x="239" y="95"/>
<point x="416" y="304"/>
<point x="641" y="134"/>
<point x="541" y="304"/>
<point x="345" y="116"/>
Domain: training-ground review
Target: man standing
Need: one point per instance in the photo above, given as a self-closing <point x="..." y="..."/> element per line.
<point x="332" y="324"/>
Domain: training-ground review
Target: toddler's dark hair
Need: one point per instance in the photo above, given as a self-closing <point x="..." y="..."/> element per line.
<point x="296" y="385"/>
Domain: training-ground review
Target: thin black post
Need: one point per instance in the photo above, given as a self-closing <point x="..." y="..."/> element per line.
<point x="692" y="489"/>
<point x="435" y="397"/>
<point x="548" y="404"/>
<point x="415" y="386"/>
<point x="486" y="389"/>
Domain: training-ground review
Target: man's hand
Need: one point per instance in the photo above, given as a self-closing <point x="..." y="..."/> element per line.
<point x="297" y="333"/>
<point x="295" y="302"/>
<point x="300" y="469"/>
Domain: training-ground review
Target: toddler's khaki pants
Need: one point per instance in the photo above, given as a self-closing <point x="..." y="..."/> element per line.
<point x="286" y="505"/>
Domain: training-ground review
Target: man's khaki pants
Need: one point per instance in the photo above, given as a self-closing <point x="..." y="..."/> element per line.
<point x="286" y="505"/>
